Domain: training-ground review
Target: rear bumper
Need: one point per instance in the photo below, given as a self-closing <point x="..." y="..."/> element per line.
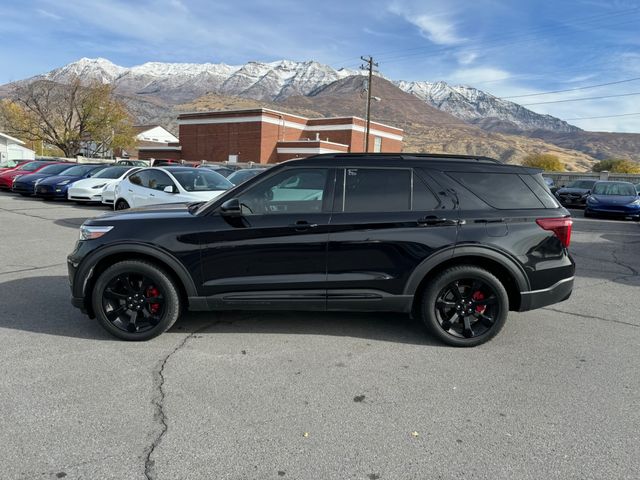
<point x="556" y="293"/>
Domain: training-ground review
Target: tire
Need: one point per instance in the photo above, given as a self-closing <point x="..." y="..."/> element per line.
<point x="121" y="205"/>
<point x="111" y="299"/>
<point x="486" y="314"/>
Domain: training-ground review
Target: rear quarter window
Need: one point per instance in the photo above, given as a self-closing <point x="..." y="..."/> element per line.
<point x="500" y="190"/>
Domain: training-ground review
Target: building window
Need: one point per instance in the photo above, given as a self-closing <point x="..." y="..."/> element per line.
<point x="377" y="144"/>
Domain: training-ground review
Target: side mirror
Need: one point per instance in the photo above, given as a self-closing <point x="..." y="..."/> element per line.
<point x="231" y="208"/>
<point x="170" y="189"/>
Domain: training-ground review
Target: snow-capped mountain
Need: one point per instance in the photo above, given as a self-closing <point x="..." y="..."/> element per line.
<point x="476" y="106"/>
<point x="176" y="83"/>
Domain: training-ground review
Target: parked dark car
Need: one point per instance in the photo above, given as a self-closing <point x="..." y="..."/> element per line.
<point x="221" y="169"/>
<point x="575" y="194"/>
<point x="429" y="235"/>
<point x="8" y="176"/>
<point x="24" y="184"/>
<point x="52" y="188"/>
<point x="132" y="163"/>
<point x="613" y="199"/>
<point x="243" y="175"/>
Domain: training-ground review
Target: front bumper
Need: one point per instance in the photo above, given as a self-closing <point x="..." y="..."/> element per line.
<point x="25" y="188"/>
<point x="50" y="191"/>
<point x="556" y="293"/>
<point x="614" y="210"/>
<point x="572" y="200"/>
<point x="84" y="194"/>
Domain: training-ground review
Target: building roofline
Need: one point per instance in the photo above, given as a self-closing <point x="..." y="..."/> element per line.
<point x="16" y="140"/>
<point x="277" y="112"/>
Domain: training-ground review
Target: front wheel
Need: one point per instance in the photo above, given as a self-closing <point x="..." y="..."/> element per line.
<point x="465" y="306"/>
<point x="135" y="300"/>
<point x="121" y="205"/>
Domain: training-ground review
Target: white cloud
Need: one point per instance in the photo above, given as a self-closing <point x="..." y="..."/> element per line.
<point x="466" y="58"/>
<point x="436" y="27"/>
<point x="47" y="14"/>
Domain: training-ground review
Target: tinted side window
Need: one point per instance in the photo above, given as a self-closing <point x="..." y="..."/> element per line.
<point x="377" y="190"/>
<point x="158" y="180"/>
<point x="500" y="190"/>
<point x="140" y="178"/>
<point x="299" y="190"/>
<point x="423" y="198"/>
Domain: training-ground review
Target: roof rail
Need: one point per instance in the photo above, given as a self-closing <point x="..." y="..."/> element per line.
<point x="421" y="156"/>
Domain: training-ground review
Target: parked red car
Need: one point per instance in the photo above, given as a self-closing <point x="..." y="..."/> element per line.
<point x="6" y="177"/>
<point x="11" y="164"/>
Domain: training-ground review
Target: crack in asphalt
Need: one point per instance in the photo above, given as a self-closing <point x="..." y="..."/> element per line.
<point x="590" y="317"/>
<point x="29" y="269"/>
<point x="634" y="272"/>
<point x="159" y="397"/>
<point x="25" y="214"/>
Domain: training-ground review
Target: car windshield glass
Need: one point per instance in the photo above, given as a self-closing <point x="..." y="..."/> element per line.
<point x="242" y="175"/>
<point x="582" y="184"/>
<point x="31" y="166"/>
<point x="79" y="170"/>
<point x="625" y="189"/>
<point x="55" y="169"/>
<point x="201" y="180"/>
<point x="111" y="172"/>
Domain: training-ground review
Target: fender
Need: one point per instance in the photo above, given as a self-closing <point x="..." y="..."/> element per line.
<point x="504" y="259"/>
<point x="85" y="269"/>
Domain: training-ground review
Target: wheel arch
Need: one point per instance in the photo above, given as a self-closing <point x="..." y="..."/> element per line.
<point x="96" y="263"/>
<point x="508" y="271"/>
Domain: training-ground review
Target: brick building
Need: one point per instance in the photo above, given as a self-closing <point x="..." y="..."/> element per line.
<point x="268" y="136"/>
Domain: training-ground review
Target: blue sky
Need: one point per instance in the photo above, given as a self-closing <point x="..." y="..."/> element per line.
<point x="503" y="47"/>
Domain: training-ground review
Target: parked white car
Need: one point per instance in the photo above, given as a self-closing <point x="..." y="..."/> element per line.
<point x="109" y="190"/>
<point x="157" y="185"/>
<point x="91" y="189"/>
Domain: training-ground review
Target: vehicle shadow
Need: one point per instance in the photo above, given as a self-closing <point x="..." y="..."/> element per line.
<point x="41" y="304"/>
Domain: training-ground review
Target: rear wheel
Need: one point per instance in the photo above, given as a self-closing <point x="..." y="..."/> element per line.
<point x="135" y="300"/>
<point x="465" y="306"/>
<point x="121" y="205"/>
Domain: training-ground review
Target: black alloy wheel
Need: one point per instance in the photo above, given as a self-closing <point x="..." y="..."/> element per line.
<point x="465" y="306"/>
<point x="135" y="300"/>
<point x="122" y="205"/>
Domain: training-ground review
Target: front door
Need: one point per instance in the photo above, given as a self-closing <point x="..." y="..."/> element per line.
<point x="275" y="254"/>
<point x="386" y="221"/>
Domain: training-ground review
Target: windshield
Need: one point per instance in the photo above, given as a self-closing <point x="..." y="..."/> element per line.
<point x="201" y="180"/>
<point x="31" y="166"/>
<point x="111" y="172"/>
<point x="79" y="170"/>
<point x="625" y="189"/>
<point x="55" y="169"/>
<point x="243" y="175"/>
<point x="587" y="184"/>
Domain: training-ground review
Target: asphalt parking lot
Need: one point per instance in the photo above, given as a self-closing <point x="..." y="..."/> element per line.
<point x="312" y="395"/>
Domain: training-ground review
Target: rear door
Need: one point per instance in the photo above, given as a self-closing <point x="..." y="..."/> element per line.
<point x="386" y="221"/>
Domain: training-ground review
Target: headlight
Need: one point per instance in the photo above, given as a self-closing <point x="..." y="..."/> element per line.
<point x="99" y="186"/>
<point x="91" y="232"/>
<point x="63" y="183"/>
<point x="591" y="200"/>
<point x="636" y="202"/>
<point x="38" y="181"/>
<point x="16" y="178"/>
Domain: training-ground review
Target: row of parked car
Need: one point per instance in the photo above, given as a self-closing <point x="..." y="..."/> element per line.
<point x="600" y="197"/>
<point x="123" y="185"/>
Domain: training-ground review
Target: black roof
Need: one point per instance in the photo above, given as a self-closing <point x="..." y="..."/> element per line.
<point x="449" y="162"/>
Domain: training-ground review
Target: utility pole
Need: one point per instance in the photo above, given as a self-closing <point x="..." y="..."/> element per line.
<point x="369" y="64"/>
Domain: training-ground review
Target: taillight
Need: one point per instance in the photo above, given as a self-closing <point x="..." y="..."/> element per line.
<point x="561" y="228"/>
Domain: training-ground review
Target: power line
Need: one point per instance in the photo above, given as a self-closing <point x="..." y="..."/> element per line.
<point x="581" y="99"/>
<point x="571" y="89"/>
<point x="603" y="116"/>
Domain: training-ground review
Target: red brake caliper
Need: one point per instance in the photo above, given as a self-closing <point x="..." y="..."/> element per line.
<point x="151" y="293"/>
<point x="478" y="295"/>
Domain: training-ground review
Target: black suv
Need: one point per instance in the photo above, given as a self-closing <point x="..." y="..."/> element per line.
<point x="456" y="241"/>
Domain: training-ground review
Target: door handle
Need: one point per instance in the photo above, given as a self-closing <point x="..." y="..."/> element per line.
<point x="301" y="225"/>
<point x="434" y="220"/>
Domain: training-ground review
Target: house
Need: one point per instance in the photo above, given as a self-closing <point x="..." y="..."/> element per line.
<point x="266" y="136"/>
<point x="14" y="149"/>
<point x="148" y="136"/>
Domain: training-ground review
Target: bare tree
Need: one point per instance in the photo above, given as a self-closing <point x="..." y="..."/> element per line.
<point x="70" y="116"/>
